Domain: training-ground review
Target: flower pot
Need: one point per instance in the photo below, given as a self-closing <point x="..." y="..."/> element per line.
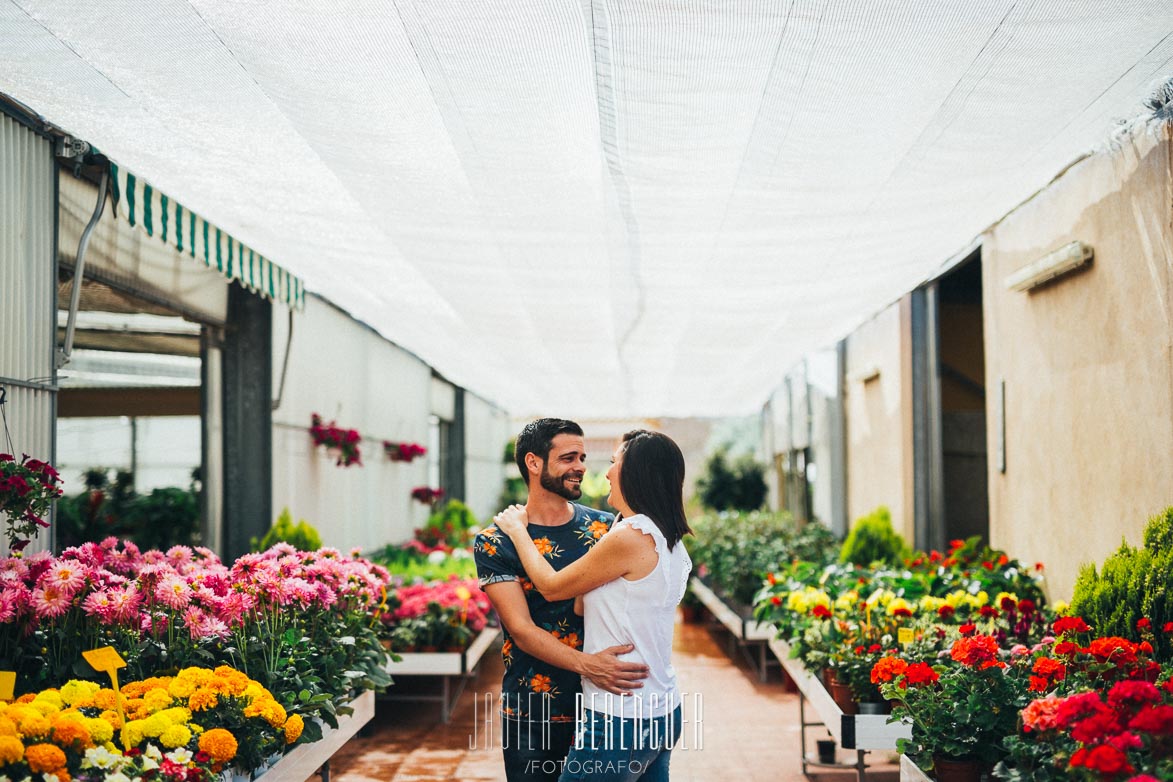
<point x="427" y="648"/>
<point x="828" y="678"/>
<point x="873" y="708"/>
<point x="958" y="769"/>
<point x="788" y="683"/>
<point x="826" y="750"/>
<point x="689" y="614"/>
<point x="844" y="698"/>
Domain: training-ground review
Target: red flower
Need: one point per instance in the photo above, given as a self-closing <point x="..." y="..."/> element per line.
<point x="968" y="628"/>
<point x="1154" y="719"/>
<point x="988" y="565"/>
<point x="1008" y="604"/>
<point x="1039" y="684"/>
<point x="988" y="611"/>
<point x="1070" y="623"/>
<point x="875" y="649"/>
<point x="975" y="651"/>
<point x="1027" y="606"/>
<point x="946" y="611"/>
<point x="821" y="612"/>
<point x="1050" y="668"/>
<point x="934" y="556"/>
<point x="921" y="673"/>
<point x="1168" y="627"/>
<point x="1143" y="624"/>
<point x="1111" y="649"/>
<point x="776" y="600"/>
<point x="1097" y="727"/>
<point x="902" y="612"/>
<point x="1106" y="759"/>
<point x="1066" y="648"/>
<point x="956" y="544"/>
<point x="1133" y="692"/>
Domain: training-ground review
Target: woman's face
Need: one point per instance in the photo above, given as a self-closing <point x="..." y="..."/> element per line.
<point x="615" y="497"/>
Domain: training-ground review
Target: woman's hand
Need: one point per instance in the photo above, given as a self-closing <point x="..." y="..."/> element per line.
<point x="512" y="521"/>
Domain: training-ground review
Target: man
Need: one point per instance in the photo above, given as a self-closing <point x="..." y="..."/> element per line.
<point x="543" y="661"/>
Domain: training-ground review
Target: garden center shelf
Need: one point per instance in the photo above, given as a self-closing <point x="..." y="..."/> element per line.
<point x="860" y="732"/>
<point x="748" y="635"/>
<point x="306" y="760"/>
<point x="449" y="667"/>
<point x="910" y="772"/>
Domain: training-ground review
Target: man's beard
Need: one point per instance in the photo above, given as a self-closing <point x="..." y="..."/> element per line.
<point x="558" y="485"/>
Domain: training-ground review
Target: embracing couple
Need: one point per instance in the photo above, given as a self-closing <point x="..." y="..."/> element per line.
<point x="588" y="603"/>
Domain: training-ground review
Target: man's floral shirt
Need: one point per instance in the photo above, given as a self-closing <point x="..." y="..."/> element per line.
<point x="531" y="688"/>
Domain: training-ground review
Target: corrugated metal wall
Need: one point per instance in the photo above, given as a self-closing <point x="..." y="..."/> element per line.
<point x="27" y="292"/>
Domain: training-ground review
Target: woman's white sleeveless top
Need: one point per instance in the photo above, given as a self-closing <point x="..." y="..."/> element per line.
<point x="642" y="613"/>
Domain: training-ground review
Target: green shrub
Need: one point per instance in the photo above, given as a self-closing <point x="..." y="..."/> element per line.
<point x="166" y="517"/>
<point x="872" y="539"/>
<point x="301" y="536"/>
<point x="450" y="525"/>
<point x="737" y="550"/>
<point x="740" y="486"/>
<point x="1132" y="584"/>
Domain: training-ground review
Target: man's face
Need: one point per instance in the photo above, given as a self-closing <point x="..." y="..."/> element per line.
<point x="565" y="467"/>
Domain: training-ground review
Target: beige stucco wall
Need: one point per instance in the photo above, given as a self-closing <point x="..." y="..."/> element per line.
<point x="1087" y="362"/>
<point x="878" y="412"/>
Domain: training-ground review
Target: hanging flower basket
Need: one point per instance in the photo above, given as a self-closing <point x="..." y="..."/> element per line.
<point x="426" y="494"/>
<point x="341" y="443"/>
<point x="27" y="491"/>
<point x="403" y="452"/>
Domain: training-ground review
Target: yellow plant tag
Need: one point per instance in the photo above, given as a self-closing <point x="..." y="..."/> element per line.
<point x="7" y="685"/>
<point x="905" y="636"/>
<point x="105" y="660"/>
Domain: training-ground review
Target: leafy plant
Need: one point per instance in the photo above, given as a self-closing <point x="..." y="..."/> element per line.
<point x="740" y="486"/>
<point x="449" y="526"/>
<point x="872" y="539"/>
<point x="1132" y="584"/>
<point x="163" y="518"/>
<point x="28" y="489"/>
<point x="301" y="536"/>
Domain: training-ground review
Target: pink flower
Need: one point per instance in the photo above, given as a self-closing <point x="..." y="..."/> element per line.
<point x="173" y="592"/>
<point x="65" y="574"/>
<point x="1041" y="714"/>
<point x="51" y="601"/>
<point x="100" y="605"/>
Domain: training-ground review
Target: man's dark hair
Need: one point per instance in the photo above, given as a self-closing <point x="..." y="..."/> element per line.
<point x="651" y="479"/>
<point x="538" y="437"/>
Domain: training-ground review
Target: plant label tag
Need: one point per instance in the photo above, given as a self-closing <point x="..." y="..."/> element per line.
<point x="905" y="636"/>
<point x="7" y="685"/>
<point x="105" y="659"/>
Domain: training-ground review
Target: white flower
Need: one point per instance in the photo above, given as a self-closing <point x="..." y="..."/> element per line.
<point x="461" y="553"/>
<point x="153" y="752"/>
<point x="149" y="764"/>
<point x="181" y="756"/>
<point x="436" y="557"/>
<point x="100" y="757"/>
<point x="117" y="776"/>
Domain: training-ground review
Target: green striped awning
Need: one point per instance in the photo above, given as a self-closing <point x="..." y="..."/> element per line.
<point x="167" y="219"/>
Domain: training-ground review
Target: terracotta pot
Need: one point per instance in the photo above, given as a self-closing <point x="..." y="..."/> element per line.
<point x="958" y="769"/>
<point x="427" y="648"/>
<point x="828" y="678"/>
<point x="788" y="683"/>
<point x="689" y="614"/>
<point x="844" y="698"/>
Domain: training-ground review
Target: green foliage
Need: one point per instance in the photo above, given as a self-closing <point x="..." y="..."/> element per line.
<point x="737" y="550"/>
<point x="740" y="486"/>
<point x="163" y="518"/>
<point x="412" y="566"/>
<point x="872" y="539"/>
<point x="514" y="492"/>
<point x="450" y="526"/>
<point x="1133" y="583"/>
<point x="302" y="536"/>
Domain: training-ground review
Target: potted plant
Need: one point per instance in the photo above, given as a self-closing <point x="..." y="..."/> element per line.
<point x="341" y="443"/>
<point x="27" y="491"/>
<point x="403" y="452"/>
<point x="961" y="710"/>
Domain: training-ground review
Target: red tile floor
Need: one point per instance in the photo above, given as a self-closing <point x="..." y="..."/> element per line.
<point x="749" y="731"/>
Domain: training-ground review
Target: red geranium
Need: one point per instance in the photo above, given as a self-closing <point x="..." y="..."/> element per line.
<point x="1070" y="624"/>
<point x="921" y="673"/>
<point x="976" y="651"/>
<point x="1105" y="759"/>
<point x="821" y="612"/>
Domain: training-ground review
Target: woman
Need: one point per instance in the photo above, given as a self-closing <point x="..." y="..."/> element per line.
<point x="631" y="581"/>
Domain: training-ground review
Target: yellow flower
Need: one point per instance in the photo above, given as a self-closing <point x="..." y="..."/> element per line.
<point x="32" y="724"/>
<point x="134" y="733"/>
<point x="49" y="697"/>
<point x="201" y="699"/>
<point x="105" y="699"/>
<point x="293" y="728"/>
<point x="175" y="736"/>
<point x="78" y="693"/>
<point x="154" y="725"/>
<point x="45" y="707"/>
<point x="220" y="744"/>
<point x="11" y="750"/>
<point x="157" y="700"/>
<point x="1060" y="607"/>
<point x="181" y="687"/>
<point x="898" y="604"/>
<point x="100" y="730"/>
<point x="111" y="716"/>
<point x="7" y="727"/>
<point x="176" y="715"/>
<point x="267" y="709"/>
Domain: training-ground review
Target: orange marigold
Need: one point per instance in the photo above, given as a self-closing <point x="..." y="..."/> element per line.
<point x="11" y="750"/>
<point x="293" y="728"/>
<point x="219" y="744"/>
<point x="70" y="733"/>
<point x="44" y="758"/>
<point x="202" y="698"/>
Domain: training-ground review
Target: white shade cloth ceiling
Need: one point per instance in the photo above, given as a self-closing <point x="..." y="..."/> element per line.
<point x="595" y="208"/>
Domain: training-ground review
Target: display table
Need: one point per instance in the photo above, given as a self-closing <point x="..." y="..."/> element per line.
<point x="911" y="772"/>
<point x="307" y="759"/>
<point x="860" y="732"/>
<point x="749" y="636"/>
<point x="453" y="669"/>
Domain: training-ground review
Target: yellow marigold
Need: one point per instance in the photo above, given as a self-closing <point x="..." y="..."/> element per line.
<point x="105" y="698"/>
<point x="293" y="728"/>
<point x="254" y="691"/>
<point x="175" y="736"/>
<point x="182" y="687"/>
<point x="231" y="680"/>
<point x="154" y="725"/>
<point x="100" y="730"/>
<point x="136" y="709"/>
<point x="134" y="733"/>
<point x="7" y="727"/>
<point x="202" y="698"/>
<point x="197" y="677"/>
<point x="33" y="724"/>
<point x="46" y="706"/>
<point x="78" y="693"/>
<point x="176" y="715"/>
<point x="110" y="716"/>
<point x="11" y="750"/>
<point x="71" y="733"/>
<point x="157" y="700"/>
<point x="44" y="758"/>
<point x="220" y="744"/>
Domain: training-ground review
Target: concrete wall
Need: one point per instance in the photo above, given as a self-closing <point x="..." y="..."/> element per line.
<point x="346" y="372"/>
<point x="485" y="434"/>
<point x="1087" y="362"/>
<point x="879" y="418"/>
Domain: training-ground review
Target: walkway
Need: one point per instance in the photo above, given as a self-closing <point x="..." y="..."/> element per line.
<point x="749" y="731"/>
